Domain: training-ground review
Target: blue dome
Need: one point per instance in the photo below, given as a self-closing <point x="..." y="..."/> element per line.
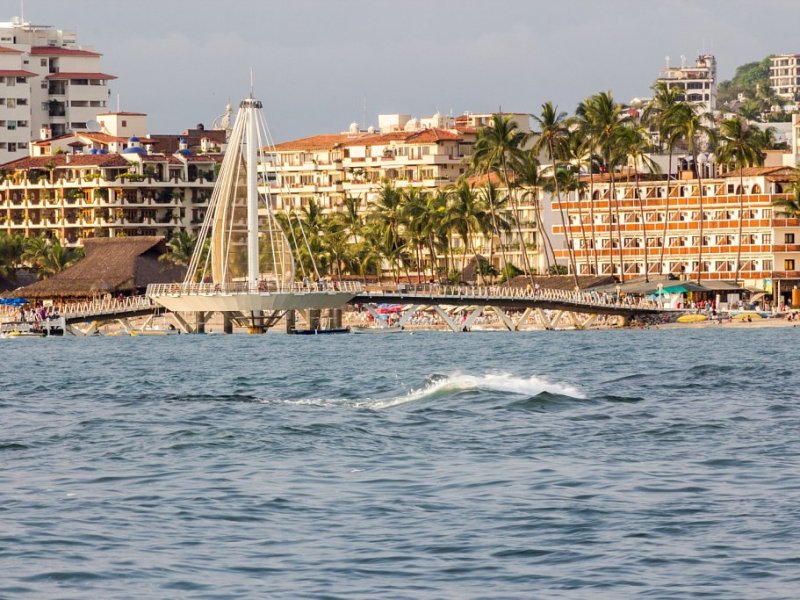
<point x="133" y="138"/>
<point x="133" y="151"/>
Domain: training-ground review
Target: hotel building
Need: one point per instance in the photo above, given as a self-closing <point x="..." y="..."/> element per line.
<point x="618" y="229"/>
<point x="784" y="75"/>
<point x="698" y="83"/>
<point x="429" y="154"/>
<point x="88" y="184"/>
<point x="48" y="85"/>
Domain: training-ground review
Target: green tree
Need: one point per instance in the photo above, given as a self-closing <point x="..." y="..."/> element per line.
<point x="740" y="146"/>
<point x="527" y="173"/>
<point x="56" y="258"/>
<point x="692" y="126"/>
<point x="496" y="149"/>
<point x="660" y="115"/>
<point x="602" y="119"/>
<point x="550" y="140"/>
<point x="180" y="248"/>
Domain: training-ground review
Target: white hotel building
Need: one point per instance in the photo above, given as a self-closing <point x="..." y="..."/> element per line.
<point x="48" y="85"/>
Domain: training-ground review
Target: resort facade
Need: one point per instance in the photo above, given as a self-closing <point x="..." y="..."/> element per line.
<point x="90" y="185"/>
<point x="632" y="230"/>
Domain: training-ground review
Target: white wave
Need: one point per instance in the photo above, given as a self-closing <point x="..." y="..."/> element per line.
<point x="498" y="382"/>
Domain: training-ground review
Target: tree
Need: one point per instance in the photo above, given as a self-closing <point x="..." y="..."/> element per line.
<point x="57" y="258"/>
<point x="528" y="176"/>
<point x="636" y="144"/>
<point x="577" y="152"/>
<point x="601" y="118"/>
<point x="691" y="126"/>
<point x="659" y="114"/>
<point x="550" y="139"/>
<point x="180" y="248"/>
<point x="740" y="146"/>
<point x="10" y="251"/>
<point x="498" y="146"/>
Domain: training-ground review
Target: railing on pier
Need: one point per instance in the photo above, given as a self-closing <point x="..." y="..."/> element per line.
<point x="263" y="287"/>
<point x="499" y="292"/>
<point x="106" y="306"/>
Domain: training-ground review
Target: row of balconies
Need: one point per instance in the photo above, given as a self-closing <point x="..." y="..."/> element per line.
<point x="88" y="201"/>
<point x="83" y="222"/>
<point x="44" y="183"/>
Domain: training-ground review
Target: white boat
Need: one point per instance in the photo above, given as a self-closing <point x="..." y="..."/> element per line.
<point x="392" y="329"/>
<point x="55" y="326"/>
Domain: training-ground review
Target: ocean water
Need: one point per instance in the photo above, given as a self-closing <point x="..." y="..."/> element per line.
<point x="599" y="464"/>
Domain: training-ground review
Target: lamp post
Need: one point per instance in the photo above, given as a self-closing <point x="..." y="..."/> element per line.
<point x="618" y="296"/>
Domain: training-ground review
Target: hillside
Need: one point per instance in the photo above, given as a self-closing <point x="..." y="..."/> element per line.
<point x="751" y="79"/>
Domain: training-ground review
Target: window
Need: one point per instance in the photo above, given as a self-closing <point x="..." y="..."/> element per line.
<point x="11" y="125"/>
<point x="766" y="265"/>
<point x="11" y="103"/>
<point x="788" y="264"/>
<point x="12" y="147"/>
<point x="10" y="82"/>
<point x="766" y="238"/>
<point x="788" y="238"/>
<point x="43" y="62"/>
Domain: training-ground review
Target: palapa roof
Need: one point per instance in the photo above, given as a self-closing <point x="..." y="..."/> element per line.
<point x="111" y="265"/>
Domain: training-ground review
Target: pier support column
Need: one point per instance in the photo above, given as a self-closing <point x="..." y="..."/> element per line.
<point x="291" y="321"/>
<point x="227" y="323"/>
<point x="200" y="318"/>
<point x="314" y="317"/>
<point x="336" y="318"/>
<point x="256" y="323"/>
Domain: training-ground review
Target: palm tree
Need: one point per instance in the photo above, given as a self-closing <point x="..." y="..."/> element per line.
<point x="57" y="258"/>
<point x="550" y="139"/>
<point x="789" y="207"/>
<point x="659" y="114"/>
<point x="10" y="250"/>
<point x="498" y="146"/>
<point x="497" y="224"/>
<point x="415" y="218"/>
<point x="34" y="250"/>
<point x="740" y="146"/>
<point x="577" y="151"/>
<point x="528" y="176"/>
<point x="636" y="144"/>
<point x="691" y="125"/>
<point x="180" y="248"/>
<point x="603" y="120"/>
<point x="386" y="214"/>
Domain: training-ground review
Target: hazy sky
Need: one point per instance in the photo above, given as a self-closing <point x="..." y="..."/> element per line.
<point x="315" y="61"/>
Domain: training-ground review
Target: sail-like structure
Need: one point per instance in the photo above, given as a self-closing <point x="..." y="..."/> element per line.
<point x="246" y="243"/>
<point x="243" y="264"/>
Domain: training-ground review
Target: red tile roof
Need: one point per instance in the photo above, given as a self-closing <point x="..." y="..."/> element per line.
<point x="58" y="51"/>
<point x="80" y="76"/>
<point x="102" y="138"/>
<point x="60" y="161"/>
<point x="16" y="73"/>
<point x="7" y="50"/>
<point x="756" y="171"/>
<point x="325" y="141"/>
<point x="433" y="135"/>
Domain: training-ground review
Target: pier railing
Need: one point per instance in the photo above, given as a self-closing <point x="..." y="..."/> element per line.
<point x="106" y="306"/>
<point x="499" y="292"/>
<point x="264" y="287"/>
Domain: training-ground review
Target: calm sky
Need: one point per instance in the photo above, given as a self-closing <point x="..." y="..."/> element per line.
<point x="316" y="61"/>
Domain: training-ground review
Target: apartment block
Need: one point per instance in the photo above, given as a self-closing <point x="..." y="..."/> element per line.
<point x="698" y="83"/>
<point x="48" y="85"/>
<point x="784" y="75"/>
<point x="627" y="229"/>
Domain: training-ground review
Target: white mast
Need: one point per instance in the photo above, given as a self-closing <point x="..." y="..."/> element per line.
<point x="253" y="271"/>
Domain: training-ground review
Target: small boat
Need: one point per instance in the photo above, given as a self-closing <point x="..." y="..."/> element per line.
<point x="390" y="329"/>
<point x="321" y="331"/>
<point x="43" y="328"/>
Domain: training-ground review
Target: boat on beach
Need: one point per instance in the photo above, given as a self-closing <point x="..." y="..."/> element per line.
<point x="55" y="326"/>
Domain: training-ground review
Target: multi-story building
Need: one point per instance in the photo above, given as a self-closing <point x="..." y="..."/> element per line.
<point x="698" y="83"/>
<point x="48" y="85"/>
<point x="784" y="75"/>
<point x="624" y="233"/>
<point x="85" y="185"/>
<point x="428" y="153"/>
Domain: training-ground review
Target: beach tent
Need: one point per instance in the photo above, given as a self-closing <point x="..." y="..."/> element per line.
<point x="13" y="301"/>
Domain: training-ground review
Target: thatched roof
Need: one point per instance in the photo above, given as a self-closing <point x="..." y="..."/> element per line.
<point x="111" y="266"/>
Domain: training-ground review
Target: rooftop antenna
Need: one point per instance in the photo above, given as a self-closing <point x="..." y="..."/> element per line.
<point x="22" y="10"/>
<point x="251" y="82"/>
<point x="683" y="61"/>
<point x="667" y="59"/>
